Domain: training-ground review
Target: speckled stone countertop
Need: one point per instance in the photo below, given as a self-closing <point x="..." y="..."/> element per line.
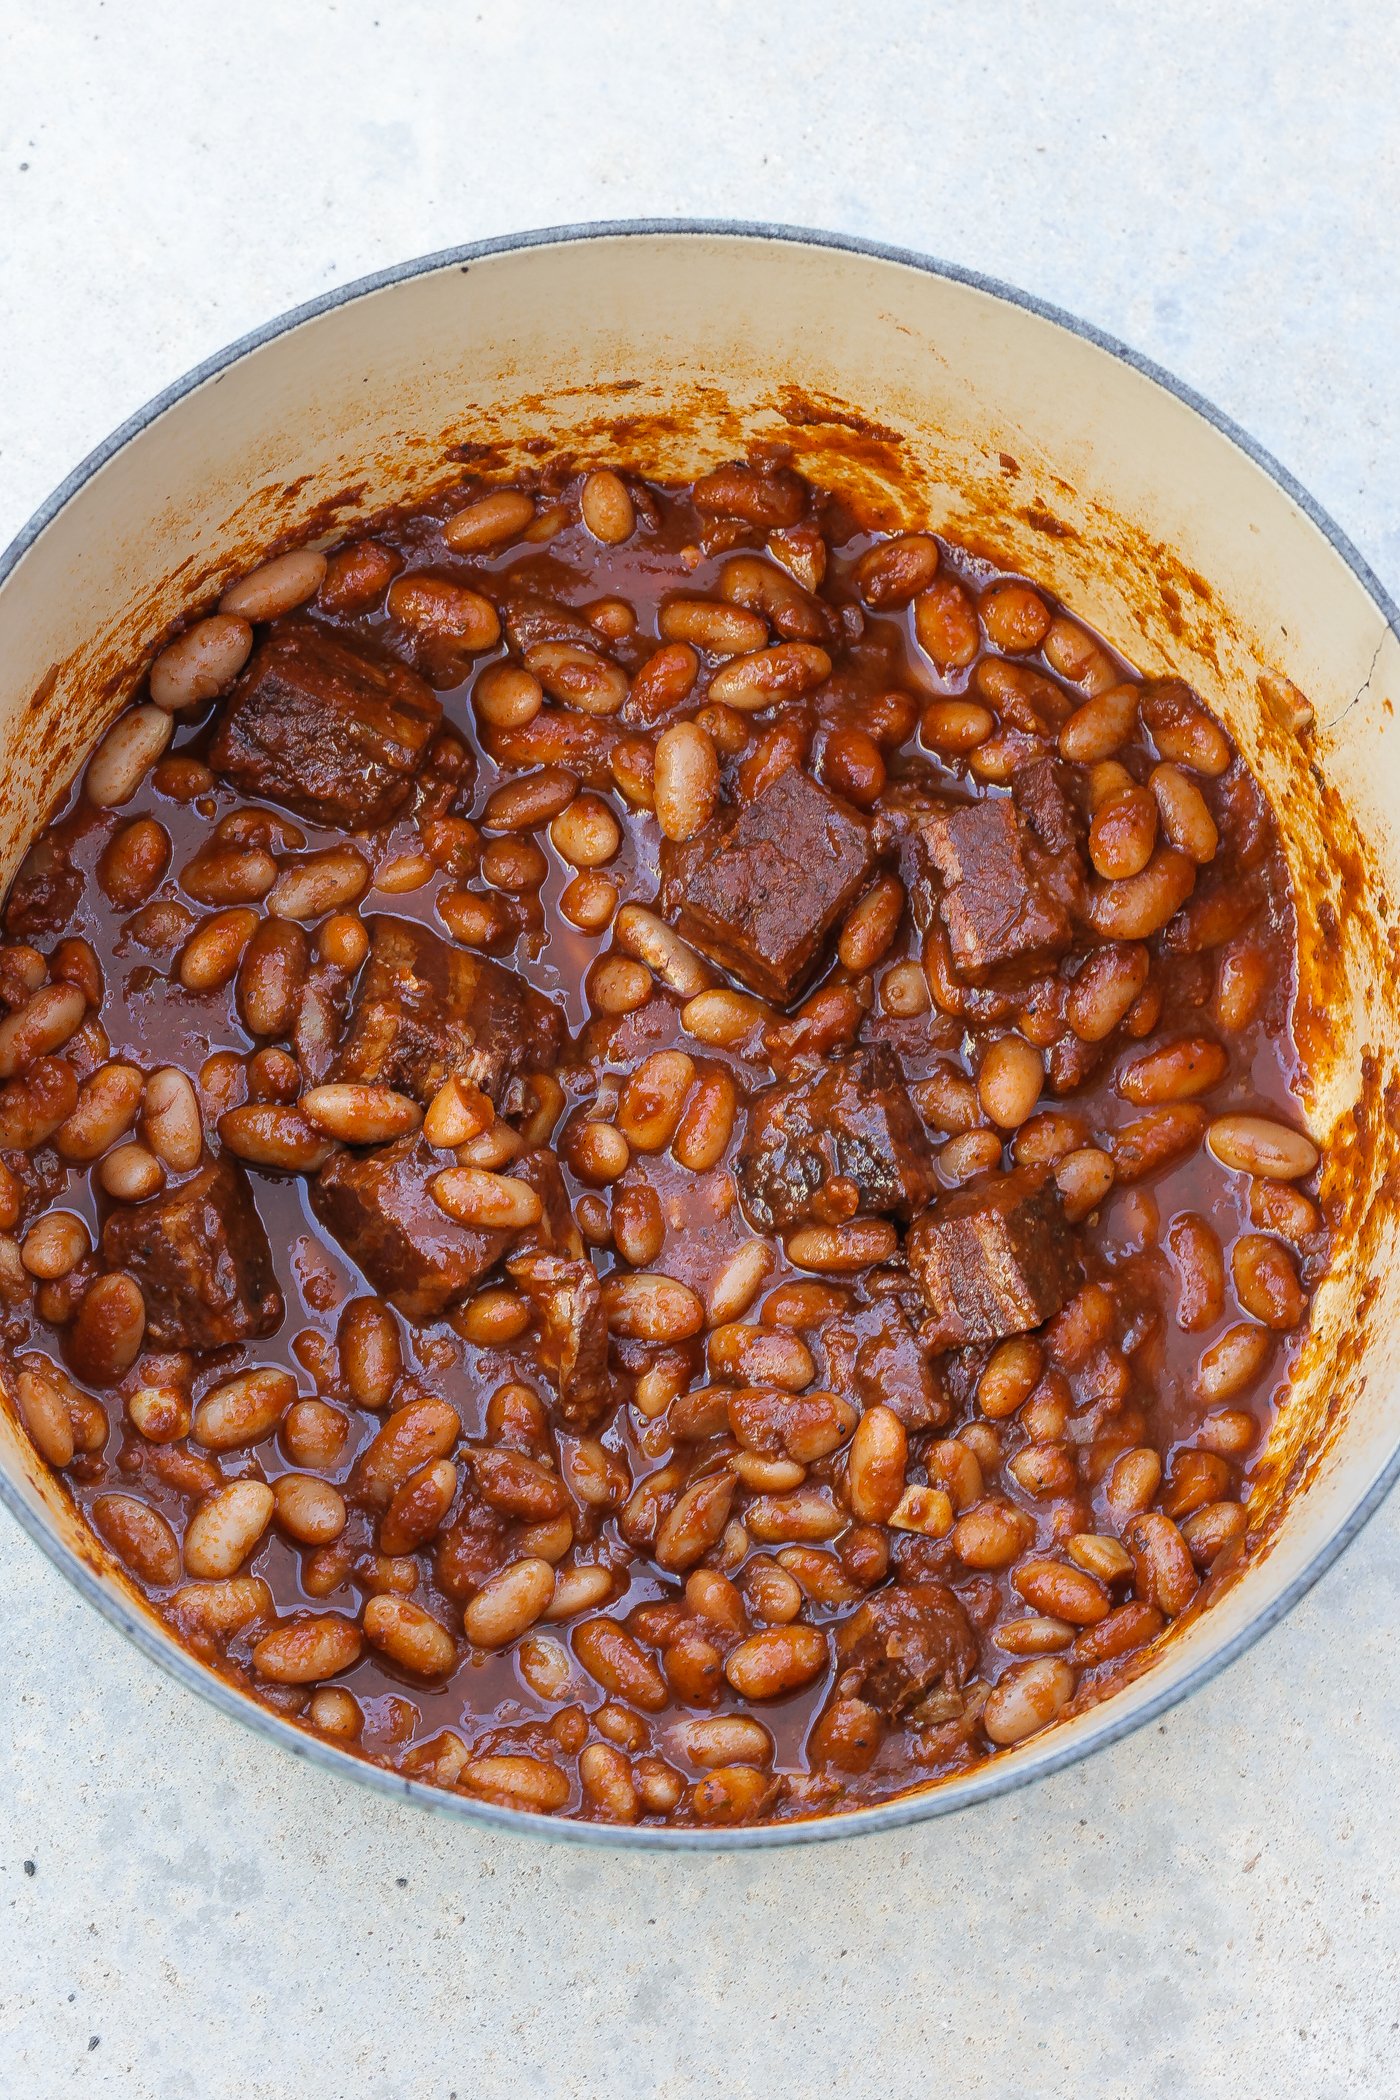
<point x="1208" y="1909"/>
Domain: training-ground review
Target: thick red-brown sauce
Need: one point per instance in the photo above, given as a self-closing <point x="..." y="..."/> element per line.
<point x="152" y="1021"/>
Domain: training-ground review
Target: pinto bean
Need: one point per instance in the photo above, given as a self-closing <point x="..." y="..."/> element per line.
<point x="652" y="1102"/>
<point x="275" y="1137"/>
<point x="651" y="1307"/>
<point x="1175" y="1071"/>
<point x="243" y="1409"/>
<point x="1142" y="905"/>
<point x="607" y="507"/>
<point x="409" y="1636"/>
<point x="842" y="1250"/>
<point x="442" y="610"/>
<point x="1101" y="726"/>
<point x="43" y="1024"/>
<point x="1258" y="1145"/>
<point x="322" y="882"/>
<point x="490" y="521"/>
<point x="578" y="677"/>
<point x="1027" y="1699"/>
<point x="1185" y="813"/>
<point x="1164" y="1134"/>
<point x="876" y="1463"/>
<point x="104" y="1340"/>
<point x="1105" y="989"/>
<point x="1200" y="1267"/>
<point x="766" y="676"/>
<point x="310" y="1510"/>
<point x="687" y="780"/>
<point x="271" y="976"/>
<point x="268" y="592"/>
<point x="170" y="1120"/>
<point x="1016" y="618"/>
<point x="779" y="1660"/>
<point x="1232" y="1363"/>
<point x="212" y="953"/>
<point x="618" y="1662"/>
<point x="413" y="1436"/>
<point x="945" y="624"/>
<point x="224" y="1530"/>
<point x="707" y="1123"/>
<point x="44" y="1412"/>
<point x="694" y="1522"/>
<point x="133" y="863"/>
<point x="308" y="1650"/>
<point x="709" y="624"/>
<point x="126" y="754"/>
<point x="509" y="1604"/>
<point x="1163" y="1571"/>
<point x="647" y="937"/>
<point x="1123" y="834"/>
<point x="139" y="1536"/>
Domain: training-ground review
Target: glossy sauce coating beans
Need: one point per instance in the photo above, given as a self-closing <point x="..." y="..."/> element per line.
<point x="688" y="1207"/>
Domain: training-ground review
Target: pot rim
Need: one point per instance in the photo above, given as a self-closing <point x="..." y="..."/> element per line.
<point x="935" y="1799"/>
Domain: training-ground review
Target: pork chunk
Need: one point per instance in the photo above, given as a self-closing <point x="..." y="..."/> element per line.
<point x="761" y="889"/>
<point x="994" y="1259"/>
<point x="378" y="1206"/>
<point x="1043" y="793"/>
<point x="900" y="1642"/>
<point x="201" y="1257"/>
<point x="567" y="1300"/>
<point x="426" y="1011"/>
<point x="852" y="1121"/>
<point x="325" y="728"/>
<point x="994" y="903"/>
<point x="873" y="1355"/>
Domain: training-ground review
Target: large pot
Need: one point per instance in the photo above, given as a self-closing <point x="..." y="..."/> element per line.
<point x="933" y="392"/>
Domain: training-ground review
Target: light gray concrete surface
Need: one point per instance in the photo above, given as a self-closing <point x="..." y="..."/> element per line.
<point x="1208" y="1909"/>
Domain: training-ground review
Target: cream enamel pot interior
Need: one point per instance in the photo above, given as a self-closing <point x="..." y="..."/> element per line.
<point x="666" y="348"/>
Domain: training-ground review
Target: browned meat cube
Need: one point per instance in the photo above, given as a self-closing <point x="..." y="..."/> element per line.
<point x="324" y="728"/>
<point x="873" y="1354"/>
<point x="573" y="1337"/>
<point x="851" y="1121"/>
<point x="200" y="1255"/>
<point x="426" y="1011"/>
<point x="993" y="1259"/>
<point x="531" y="619"/>
<point x="44" y="894"/>
<point x="556" y="1232"/>
<point x="379" y="1207"/>
<point x="894" y="1649"/>
<point x="1044" y="796"/>
<point x="994" y="903"/>
<point x="759" y="890"/>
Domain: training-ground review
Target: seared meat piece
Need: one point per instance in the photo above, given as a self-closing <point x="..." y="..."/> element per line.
<point x="1043" y="793"/>
<point x="994" y="903"/>
<point x="851" y="1120"/>
<point x="532" y="618"/>
<point x="896" y="1646"/>
<point x="993" y="1259"/>
<point x="760" y="889"/>
<point x="44" y="894"/>
<point x="556" y="1232"/>
<point x="425" y="1010"/>
<point x="322" y="727"/>
<point x="551" y="1267"/>
<point x="379" y="1207"/>
<point x="573" y="1330"/>
<point x="201" y="1257"/>
<point x="873" y="1354"/>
